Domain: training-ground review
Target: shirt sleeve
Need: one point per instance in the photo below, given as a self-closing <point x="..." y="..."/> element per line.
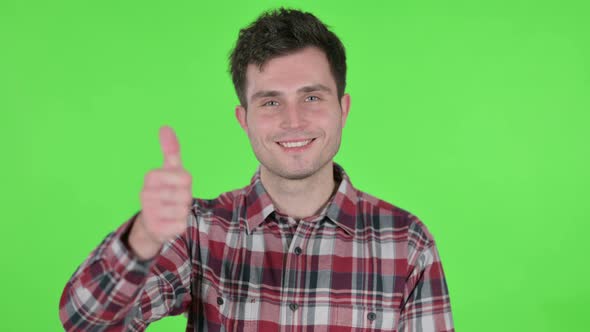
<point x="115" y="291"/>
<point x="426" y="305"/>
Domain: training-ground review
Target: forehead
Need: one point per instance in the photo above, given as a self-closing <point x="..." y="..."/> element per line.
<point x="289" y="72"/>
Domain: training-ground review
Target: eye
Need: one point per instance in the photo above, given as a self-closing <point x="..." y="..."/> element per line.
<point x="271" y="103"/>
<point x="312" y="98"/>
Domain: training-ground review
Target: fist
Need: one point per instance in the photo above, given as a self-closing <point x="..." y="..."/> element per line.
<point x="166" y="200"/>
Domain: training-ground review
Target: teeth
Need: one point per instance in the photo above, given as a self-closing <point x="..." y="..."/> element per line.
<point x="294" y="144"/>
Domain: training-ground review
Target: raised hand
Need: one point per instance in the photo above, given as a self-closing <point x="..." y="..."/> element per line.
<point x="166" y="199"/>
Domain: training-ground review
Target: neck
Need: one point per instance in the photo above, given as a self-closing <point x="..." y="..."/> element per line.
<point x="302" y="197"/>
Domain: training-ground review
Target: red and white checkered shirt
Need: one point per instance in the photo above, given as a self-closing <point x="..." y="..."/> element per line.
<point x="360" y="265"/>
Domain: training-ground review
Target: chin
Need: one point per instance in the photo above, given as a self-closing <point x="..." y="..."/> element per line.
<point x="297" y="175"/>
<point x="294" y="172"/>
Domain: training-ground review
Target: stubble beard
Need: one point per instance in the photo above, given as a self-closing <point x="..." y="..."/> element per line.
<point x="302" y="172"/>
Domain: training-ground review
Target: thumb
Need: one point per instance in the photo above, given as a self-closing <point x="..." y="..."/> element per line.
<point x="170" y="147"/>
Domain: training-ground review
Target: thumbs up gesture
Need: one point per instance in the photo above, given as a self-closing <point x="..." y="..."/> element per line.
<point x="166" y="200"/>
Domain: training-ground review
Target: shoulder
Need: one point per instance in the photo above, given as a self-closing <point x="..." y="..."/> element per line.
<point x="222" y="206"/>
<point x="392" y="224"/>
<point x="379" y="214"/>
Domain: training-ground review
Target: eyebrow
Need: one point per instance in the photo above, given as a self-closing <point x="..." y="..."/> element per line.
<point x="313" y="88"/>
<point x="305" y="89"/>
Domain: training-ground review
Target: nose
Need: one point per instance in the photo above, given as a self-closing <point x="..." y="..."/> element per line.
<point x="293" y="117"/>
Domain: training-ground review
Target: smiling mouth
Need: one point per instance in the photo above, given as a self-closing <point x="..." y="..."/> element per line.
<point x="295" y="144"/>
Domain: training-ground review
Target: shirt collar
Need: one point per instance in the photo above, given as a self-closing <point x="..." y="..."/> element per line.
<point x="341" y="208"/>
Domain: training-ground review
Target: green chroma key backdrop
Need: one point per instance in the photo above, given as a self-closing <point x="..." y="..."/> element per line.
<point x="473" y="115"/>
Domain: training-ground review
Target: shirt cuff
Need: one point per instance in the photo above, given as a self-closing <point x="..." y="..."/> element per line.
<point x="121" y="259"/>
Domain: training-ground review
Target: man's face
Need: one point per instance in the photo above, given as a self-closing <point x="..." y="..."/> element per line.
<point x="294" y="119"/>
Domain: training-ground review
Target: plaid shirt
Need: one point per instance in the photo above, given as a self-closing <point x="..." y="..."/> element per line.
<point x="360" y="265"/>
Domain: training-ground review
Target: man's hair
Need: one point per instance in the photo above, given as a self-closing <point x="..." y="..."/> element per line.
<point x="282" y="32"/>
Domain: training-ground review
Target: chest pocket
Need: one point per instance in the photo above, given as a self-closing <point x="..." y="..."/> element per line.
<point x="239" y="313"/>
<point x="223" y="312"/>
<point x="377" y="318"/>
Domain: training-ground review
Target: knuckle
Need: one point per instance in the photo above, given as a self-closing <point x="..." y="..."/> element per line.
<point x="173" y="197"/>
<point x="152" y="173"/>
<point x="146" y="195"/>
<point x="151" y="177"/>
<point x="163" y="193"/>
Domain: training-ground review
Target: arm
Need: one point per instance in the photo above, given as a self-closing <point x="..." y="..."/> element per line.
<point x="426" y="305"/>
<point x="113" y="290"/>
<point x="142" y="271"/>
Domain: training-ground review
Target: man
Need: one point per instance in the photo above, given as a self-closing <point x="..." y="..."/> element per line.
<point x="298" y="249"/>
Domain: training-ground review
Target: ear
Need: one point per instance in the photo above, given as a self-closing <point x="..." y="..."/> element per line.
<point x="241" y="117"/>
<point x="345" y="107"/>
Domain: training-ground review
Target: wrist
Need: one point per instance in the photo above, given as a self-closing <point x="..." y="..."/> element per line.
<point x="141" y="244"/>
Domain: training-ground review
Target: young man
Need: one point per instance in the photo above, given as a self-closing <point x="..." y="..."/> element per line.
<point x="298" y="249"/>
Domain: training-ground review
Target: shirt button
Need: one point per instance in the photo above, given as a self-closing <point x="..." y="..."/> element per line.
<point x="371" y="316"/>
<point x="219" y="300"/>
<point x="293" y="306"/>
<point x="298" y="251"/>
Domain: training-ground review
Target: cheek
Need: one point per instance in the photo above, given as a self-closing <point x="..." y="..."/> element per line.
<point x="332" y="124"/>
<point x="259" y="129"/>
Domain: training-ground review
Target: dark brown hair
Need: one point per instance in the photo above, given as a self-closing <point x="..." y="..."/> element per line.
<point x="282" y="32"/>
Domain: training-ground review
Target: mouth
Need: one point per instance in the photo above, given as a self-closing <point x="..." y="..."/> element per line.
<point x="296" y="145"/>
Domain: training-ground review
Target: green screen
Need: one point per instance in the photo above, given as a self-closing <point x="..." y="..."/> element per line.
<point x="472" y="115"/>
